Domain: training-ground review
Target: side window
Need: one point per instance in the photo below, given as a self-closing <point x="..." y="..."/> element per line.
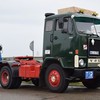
<point x="49" y="25"/>
<point x="65" y="24"/>
<point x="57" y="26"/>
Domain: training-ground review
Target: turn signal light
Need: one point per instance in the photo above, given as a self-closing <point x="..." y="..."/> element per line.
<point x="76" y="51"/>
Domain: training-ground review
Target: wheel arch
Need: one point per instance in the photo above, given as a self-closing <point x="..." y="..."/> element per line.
<point x="14" y="69"/>
<point x="4" y="64"/>
<point x="47" y="62"/>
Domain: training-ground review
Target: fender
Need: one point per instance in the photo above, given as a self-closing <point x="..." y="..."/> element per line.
<point x="49" y="60"/>
<point x="14" y="68"/>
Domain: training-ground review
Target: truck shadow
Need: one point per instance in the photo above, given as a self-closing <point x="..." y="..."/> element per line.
<point x="79" y="89"/>
<point x="71" y="89"/>
<point x="34" y="88"/>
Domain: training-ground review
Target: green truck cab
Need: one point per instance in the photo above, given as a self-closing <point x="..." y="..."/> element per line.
<point x="71" y="50"/>
<point x="71" y="53"/>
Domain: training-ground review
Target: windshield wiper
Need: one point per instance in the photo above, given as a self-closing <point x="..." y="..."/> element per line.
<point x="90" y="34"/>
<point x="82" y="31"/>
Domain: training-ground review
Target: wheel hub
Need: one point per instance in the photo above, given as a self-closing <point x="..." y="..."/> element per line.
<point x="54" y="78"/>
<point x="5" y="77"/>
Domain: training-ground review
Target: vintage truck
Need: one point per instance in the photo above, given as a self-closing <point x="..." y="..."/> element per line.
<point x="71" y="53"/>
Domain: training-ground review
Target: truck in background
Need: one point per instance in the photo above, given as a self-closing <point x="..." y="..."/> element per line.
<point x="71" y="53"/>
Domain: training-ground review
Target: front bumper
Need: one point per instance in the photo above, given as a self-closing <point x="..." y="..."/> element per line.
<point x="80" y="73"/>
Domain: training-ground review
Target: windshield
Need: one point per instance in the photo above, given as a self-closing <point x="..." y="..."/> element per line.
<point x="88" y="25"/>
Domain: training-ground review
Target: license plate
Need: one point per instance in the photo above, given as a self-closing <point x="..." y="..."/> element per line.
<point x="89" y="74"/>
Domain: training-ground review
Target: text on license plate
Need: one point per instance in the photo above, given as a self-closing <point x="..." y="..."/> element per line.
<point x="89" y="74"/>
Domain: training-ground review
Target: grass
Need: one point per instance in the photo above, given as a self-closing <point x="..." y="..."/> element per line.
<point x="70" y="84"/>
<point x="76" y="84"/>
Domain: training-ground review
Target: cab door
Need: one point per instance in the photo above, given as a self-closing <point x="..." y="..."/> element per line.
<point x="48" y="35"/>
<point x="62" y="41"/>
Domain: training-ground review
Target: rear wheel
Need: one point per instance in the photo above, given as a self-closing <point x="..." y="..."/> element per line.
<point x="18" y="82"/>
<point x="6" y="79"/>
<point x="91" y="84"/>
<point x="56" y="79"/>
<point x="35" y="82"/>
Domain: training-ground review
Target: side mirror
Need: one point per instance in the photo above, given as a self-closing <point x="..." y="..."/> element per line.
<point x="61" y="23"/>
<point x="32" y="47"/>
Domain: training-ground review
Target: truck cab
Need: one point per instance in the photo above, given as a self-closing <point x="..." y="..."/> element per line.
<point x="71" y="44"/>
<point x="73" y="38"/>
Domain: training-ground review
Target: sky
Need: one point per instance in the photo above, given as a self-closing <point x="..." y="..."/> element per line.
<point x="22" y="21"/>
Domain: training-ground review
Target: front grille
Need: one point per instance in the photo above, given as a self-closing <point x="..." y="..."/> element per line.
<point x="94" y="62"/>
<point x="94" y="47"/>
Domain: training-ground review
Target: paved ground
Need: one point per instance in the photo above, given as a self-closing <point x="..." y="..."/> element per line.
<point x="29" y="92"/>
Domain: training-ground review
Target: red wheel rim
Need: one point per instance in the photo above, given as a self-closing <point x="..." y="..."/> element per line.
<point x="5" y="78"/>
<point x="54" y="78"/>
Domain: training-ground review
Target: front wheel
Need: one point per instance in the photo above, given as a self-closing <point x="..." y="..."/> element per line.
<point x="55" y="78"/>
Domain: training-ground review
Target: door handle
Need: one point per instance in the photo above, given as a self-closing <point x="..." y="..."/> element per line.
<point x="51" y="38"/>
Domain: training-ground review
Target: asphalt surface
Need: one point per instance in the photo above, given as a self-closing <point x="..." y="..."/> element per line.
<point x="30" y="92"/>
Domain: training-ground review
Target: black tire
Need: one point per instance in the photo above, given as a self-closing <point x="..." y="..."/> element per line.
<point x="18" y="82"/>
<point x="91" y="84"/>
<point x="11" y="82"/>
<point x="35" y="82"/>
<point x="55" y="78"/>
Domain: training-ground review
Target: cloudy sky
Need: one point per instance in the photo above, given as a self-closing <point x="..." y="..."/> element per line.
<point x="22" y="21"/>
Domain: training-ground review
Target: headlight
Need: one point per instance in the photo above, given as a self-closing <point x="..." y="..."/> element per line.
<point x="81" y="62"/>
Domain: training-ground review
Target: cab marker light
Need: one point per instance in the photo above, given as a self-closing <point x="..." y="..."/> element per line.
<point x="81" y="11"/>
<point x="76" y="51"/>
<point x="94" y="14"/>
